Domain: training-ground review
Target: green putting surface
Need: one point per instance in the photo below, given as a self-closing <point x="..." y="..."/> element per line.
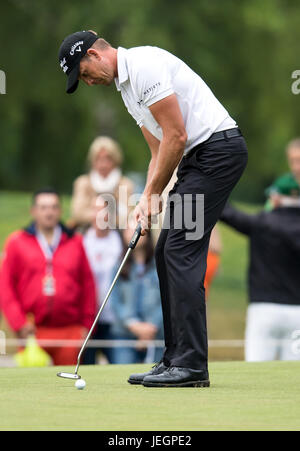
<point x="242" y="396"/>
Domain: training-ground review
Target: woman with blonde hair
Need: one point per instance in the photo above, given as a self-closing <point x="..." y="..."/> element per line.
<point x="105" y="177"/>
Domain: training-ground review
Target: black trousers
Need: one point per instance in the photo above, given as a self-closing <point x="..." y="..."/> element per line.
<point x="211" y="170"/>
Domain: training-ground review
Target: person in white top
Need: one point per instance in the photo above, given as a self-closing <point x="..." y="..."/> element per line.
<point x="103" y="249"/>
<point x="184" y="124"/>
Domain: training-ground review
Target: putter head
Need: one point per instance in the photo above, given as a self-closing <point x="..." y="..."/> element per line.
<point x="69" y="375"/>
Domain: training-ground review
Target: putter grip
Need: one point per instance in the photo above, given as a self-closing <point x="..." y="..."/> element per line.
<point x="135" y="237"/>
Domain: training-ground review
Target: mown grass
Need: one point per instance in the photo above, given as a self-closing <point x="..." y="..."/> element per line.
<point x="243" y="396"/>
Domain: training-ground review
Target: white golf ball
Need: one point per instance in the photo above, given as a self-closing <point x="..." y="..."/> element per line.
<point x="80" y="384"/>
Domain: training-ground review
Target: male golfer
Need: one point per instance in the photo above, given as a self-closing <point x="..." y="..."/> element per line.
<point x="183" y="123"/>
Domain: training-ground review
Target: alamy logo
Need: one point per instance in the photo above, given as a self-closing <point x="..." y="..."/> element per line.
<point x="296" y="342"/>
<point x="2" y="343"/>
<point x="2" y="82"/>
<point x="296" y="84"/>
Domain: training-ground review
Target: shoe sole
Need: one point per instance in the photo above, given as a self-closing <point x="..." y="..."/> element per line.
<point x="182" y="384"/>
<point x="134" y="382"/>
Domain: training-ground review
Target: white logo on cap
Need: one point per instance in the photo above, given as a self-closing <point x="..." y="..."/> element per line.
<point x="63" y="65"/>
<point x="74" y="47"/>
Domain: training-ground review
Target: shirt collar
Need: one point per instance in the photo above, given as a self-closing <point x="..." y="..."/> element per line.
<point x="122" y="67"/>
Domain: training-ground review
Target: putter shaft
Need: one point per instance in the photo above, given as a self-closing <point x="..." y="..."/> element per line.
<point x="101" y="308"/>
<point x="131" y="246"/>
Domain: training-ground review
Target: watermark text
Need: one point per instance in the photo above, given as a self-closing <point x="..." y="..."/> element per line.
<point x="2" y="82"/>
<point x="296" y="84"/>
<point x="2" y="343"/>
<point x="181" y="212"/>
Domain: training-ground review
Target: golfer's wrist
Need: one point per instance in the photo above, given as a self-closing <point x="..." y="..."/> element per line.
<point x="154" y="188"/>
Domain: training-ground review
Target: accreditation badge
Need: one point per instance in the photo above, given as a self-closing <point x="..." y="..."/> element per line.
<point x="49" y="286"/>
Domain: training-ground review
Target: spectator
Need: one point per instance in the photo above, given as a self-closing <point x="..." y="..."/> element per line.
<point x="287" y="185"/>
<point x="103" y="248"/>
<point x="136" y="303"/>
<point x="45" y="275"/>
<point x="274" y="283"/>
<point x="105" y="176"/>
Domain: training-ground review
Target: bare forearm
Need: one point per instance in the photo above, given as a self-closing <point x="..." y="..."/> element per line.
<point x="162" y="168"/>
<point x="166" y="155"/>
<point x="151" y="169"/>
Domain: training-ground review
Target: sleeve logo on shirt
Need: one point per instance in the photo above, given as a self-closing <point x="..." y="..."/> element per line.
<point x="149" y="90"/>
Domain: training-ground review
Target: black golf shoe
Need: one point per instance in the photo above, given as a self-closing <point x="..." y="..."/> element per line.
<point x="178" y="377"/>
<point x="137" y="379"/>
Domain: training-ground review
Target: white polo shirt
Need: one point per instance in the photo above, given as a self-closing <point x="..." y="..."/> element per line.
<point x="149" y="74"/>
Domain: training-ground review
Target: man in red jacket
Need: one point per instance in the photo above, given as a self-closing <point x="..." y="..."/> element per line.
<point x="45" y="275"/>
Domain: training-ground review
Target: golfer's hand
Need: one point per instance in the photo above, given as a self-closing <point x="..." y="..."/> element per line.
<point x="147" y="210"/>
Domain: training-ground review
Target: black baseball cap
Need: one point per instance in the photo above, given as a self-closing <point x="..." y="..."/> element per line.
<point x="72" y="49"/>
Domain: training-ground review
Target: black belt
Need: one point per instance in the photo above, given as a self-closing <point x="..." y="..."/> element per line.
<point x="217" y="136"/>
<point x="224" y="134"/>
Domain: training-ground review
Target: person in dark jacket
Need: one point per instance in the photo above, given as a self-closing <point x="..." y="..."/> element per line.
<point x="273" y="316"/>
<point x="46" y="285"/>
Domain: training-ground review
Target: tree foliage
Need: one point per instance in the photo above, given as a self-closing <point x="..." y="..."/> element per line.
<point x="245" y="50"/>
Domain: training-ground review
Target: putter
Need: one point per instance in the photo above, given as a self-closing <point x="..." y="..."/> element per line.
<point x="131" y="246"/>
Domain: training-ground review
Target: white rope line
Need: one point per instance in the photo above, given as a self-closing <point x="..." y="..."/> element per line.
<point x="12" y="342"/>
<point x="15" y="342"/>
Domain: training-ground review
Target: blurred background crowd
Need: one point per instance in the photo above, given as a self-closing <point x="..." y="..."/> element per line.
<point x="54" y="275"/>
<point x="62" y="155"/>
